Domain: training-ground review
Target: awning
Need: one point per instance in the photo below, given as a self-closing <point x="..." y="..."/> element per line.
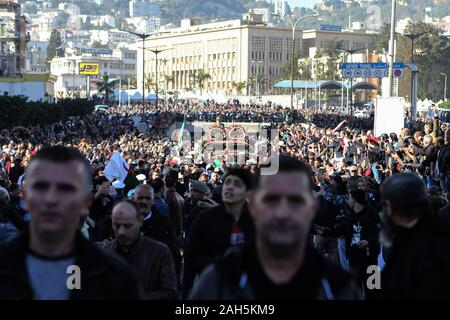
<point x="325" y="85"/>
<point x="365" y="86"/>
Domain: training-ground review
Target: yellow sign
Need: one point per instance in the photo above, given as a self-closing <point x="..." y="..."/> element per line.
<point x="89" y="68"/>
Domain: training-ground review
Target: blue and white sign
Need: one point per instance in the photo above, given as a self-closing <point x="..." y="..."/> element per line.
<point x="326" y="27"/>
<point x="371" y="70"/>
<point x="96" y="51"/>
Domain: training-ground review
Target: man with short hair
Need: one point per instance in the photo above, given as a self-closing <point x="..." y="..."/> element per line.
<point x="155" y="225"/>
<point x="176" y="204"/>
<point x="159" y="189"/>
<point x="417" y="248"/>
<point x="198" y="192"/>
<point x="220" y="228"/>
<point x="151" y="260"/>
<point x="56" y="193"/>
<point x="281" y="263"/>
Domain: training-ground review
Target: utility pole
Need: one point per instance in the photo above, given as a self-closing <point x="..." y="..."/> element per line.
<point x="391" y="46"/>
<point x="143" y="36"/>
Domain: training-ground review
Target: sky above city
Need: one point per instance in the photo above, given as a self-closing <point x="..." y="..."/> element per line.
<point x="302" y="3"/>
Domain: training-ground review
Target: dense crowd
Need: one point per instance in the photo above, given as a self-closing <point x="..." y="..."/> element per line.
<point x="338" y="201"/>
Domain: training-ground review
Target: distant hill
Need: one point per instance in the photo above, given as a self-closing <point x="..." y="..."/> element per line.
<point x="332" y="11"/>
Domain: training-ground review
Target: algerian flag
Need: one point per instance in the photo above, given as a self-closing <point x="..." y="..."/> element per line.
<point x="217" y="164"/>
<point x="181" y="131"/>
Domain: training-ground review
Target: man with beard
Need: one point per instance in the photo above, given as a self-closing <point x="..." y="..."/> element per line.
<point x="418" y="249"/>
<point x="220" y="228"/>
<point x="56" y="193"/>
<point x="281" y="263"/>
<point x="151" y="260"/>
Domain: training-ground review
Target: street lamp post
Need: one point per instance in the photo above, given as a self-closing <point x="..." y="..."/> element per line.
<point x="351" y="52"/>
<point x="143" y="36"/>
<point x="391" y="46"/>
<point x="445" y="85"/>
<point x="413" y="37"/>
<point x="256" y="78"/>
<point x="156" y="52"/>
<point x="73" y="78"/>
<point x="294" y="26"/>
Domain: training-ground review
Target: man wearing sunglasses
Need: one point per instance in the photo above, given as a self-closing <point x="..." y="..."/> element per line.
<point x="280" y="263"/>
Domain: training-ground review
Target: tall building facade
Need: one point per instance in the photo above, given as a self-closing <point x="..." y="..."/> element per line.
<point x="229" y="52"/>
<point x="144" y="8"/>
<point x="13" y="39"/>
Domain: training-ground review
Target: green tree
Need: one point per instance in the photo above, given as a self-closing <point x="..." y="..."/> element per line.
<point x="168" y="78"/>
<point x="198" y="79"/>
<point x="133" y="82"/>
<point x="286" y="70"/>
<point x="99" y="45"/>
<point x="256" y="81"/>
<point x="149" y="82"/>
<point x="382" y="40"/>
<point x="54" y="44"/>
<point x="239" y="86"/>
<point x="105" y="86"/>
<point x="61" y="19"/>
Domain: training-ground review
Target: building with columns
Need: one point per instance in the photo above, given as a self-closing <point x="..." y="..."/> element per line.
<point x="230" y="52"/>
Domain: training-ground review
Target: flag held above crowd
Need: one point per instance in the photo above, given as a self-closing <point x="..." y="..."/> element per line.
<point x="117" y="168"/>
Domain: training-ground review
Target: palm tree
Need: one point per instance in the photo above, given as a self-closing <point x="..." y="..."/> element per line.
<point x="105" y="85"/>
<point x="199" y="77"/>
<point x="256" y="80"/>
<point x="133" y="82"/>
<point x="239" y="86"/>
<point x="149" y="82"/>
<point x="168" y="78"/>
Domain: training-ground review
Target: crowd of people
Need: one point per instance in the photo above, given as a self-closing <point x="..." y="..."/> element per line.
<point x="342" y="200"/>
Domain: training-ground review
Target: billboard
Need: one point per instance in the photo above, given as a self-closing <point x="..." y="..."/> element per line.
<point x="389" y="115"/>
<point x="87" y="68"/>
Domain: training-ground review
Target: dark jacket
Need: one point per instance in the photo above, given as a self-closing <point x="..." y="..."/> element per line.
<point x="444" y="159"/>
<point x="103" y="277"/>
<point x="176" y="205"/>
<point x="16" y="172"/>
<point x="443" y="218"/>
<point x="153" y="264"/>
<point x="210" y="239"/>
<point x="101" y="214"/>
<point x="326" y="215"/>
<point x="418" y="264"/>
<point x="159" y="228"/>
<point x="229" y="279"/>
<point x="200" y="206"/>
<point x="369" y="221"/>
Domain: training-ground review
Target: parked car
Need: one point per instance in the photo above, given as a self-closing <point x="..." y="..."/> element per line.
<point x="101" y="107"/>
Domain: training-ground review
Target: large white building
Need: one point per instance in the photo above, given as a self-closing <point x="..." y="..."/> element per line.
<point x="111" y="37"/>
<point x="36" y="56"/>
<point x="121" y="64"/>
<point x="230" y="52"/>
<point x="69" y="8"/>
<point x="144" y="8"/>
<point x="145" y="24"/>
<point x="13" y="39"/>
<point x="281" y="8"/>
<point x="234" y="51"/>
